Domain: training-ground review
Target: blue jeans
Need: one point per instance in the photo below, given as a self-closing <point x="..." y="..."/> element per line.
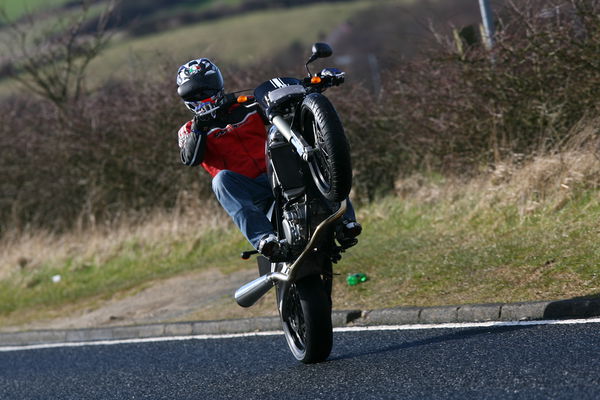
<point x="247" y="202"/>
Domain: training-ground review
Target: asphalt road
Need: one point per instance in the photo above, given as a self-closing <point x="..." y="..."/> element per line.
<point x="511" y="362"/>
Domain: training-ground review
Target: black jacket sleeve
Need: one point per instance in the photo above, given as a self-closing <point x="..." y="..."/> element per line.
<point x="262" y="114"/>
<point x="192" y="152"/>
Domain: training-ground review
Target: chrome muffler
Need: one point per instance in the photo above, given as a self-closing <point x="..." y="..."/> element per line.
<point x="249" y="294"/>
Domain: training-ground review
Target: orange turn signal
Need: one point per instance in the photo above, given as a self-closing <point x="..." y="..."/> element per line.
<point x="315" y="80"/>
<point x="242" y="99"/>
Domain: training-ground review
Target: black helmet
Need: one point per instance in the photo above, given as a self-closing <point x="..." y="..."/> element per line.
<point x="200" y="85"/>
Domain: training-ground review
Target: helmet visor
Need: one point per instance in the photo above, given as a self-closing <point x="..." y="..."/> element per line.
<point x="201" y="86"/>
<point x="205" y="107"/>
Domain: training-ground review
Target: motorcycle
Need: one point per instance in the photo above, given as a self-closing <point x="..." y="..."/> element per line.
<point x="310" y="172"/>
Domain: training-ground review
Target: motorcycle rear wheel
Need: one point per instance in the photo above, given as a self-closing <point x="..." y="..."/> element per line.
<point x="330" y="167"/>
<point x="306" y="319"/>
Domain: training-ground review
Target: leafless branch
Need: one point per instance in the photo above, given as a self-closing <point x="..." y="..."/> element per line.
<point x="51" y="60"/>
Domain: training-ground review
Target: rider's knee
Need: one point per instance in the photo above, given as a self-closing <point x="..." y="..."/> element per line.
<point x="222" y="180"/>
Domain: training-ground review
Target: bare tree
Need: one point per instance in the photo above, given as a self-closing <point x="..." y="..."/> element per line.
<point x="50" y="58"/>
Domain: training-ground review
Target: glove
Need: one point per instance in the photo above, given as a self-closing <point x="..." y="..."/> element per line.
<point x="199" y="126"/>
<point x="192" y="148"/>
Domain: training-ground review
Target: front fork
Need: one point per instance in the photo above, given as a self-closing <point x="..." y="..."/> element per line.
<point x="304" y="150"/>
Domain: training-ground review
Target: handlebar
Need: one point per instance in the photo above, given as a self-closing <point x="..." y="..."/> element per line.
<point x="326" y="78"/>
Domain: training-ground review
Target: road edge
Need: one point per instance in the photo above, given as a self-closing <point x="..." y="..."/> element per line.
<point x="538" y="310"/>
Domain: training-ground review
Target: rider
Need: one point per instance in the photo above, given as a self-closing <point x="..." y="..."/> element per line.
<point x="228" y="140"/>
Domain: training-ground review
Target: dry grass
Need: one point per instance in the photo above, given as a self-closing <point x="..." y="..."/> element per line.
<point x="549" y="179"/>
<point x="33" y="249"/>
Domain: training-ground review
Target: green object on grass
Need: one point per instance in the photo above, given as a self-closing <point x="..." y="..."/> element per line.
<point x="355" y="279"/>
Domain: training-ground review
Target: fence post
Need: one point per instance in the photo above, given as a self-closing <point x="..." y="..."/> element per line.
<point x="488" y="23"/>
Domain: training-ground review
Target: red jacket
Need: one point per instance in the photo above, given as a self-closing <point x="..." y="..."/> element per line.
<point x="234" y="141"/>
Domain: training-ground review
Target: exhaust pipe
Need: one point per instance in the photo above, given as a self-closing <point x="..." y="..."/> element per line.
<point x="249" y="294"/>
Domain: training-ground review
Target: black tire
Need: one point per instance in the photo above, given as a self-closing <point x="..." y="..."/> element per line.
<point x="306" y="318"/>
<point x="331" y="167"/>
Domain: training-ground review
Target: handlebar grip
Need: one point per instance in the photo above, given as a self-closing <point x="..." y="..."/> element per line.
<point x="338" y="80"/>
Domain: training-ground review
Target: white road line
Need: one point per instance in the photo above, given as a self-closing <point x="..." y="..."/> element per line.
<point x="140" y="340"/>
<point x="462" y="325"/>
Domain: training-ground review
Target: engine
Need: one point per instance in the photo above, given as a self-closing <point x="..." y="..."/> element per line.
<point x="294" y="225"/>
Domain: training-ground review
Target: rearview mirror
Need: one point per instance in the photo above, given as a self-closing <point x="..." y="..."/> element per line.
<point x="321" y="50"/>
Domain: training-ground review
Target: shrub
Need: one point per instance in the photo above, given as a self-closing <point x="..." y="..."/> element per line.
<point x="114" y="155"/>
<point x="447" y="112"/>
<point x="467" y="110"/>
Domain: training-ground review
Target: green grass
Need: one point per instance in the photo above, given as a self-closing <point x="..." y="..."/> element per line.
<point x="131" y="264"/>
<point x="237" y="40"/>
<point x="17" y="8"/>
<point x="446" y="253"/>
<point x="198" y="6"/>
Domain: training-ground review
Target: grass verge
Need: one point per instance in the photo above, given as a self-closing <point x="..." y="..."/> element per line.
<point x="520" y="233"/>
<point x="101" y="263"/>
<point x="443" y="253"/>
<point x="517" y="234"/>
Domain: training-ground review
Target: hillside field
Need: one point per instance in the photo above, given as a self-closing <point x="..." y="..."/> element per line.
<point x="241" y="40"/>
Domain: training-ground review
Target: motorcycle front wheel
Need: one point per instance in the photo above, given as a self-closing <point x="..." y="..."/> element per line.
<point x="330" y="165"/>
<point x="305" y="311"/>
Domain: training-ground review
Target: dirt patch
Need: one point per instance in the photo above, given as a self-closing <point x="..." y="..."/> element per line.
<point x="204" y="295"/>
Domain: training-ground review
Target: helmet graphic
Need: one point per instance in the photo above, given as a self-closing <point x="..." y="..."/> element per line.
<point x="200" y="86"/>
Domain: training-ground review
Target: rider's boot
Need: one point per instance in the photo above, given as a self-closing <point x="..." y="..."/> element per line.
<point x="273" y="249"/>
<point x="347" y="232"/>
